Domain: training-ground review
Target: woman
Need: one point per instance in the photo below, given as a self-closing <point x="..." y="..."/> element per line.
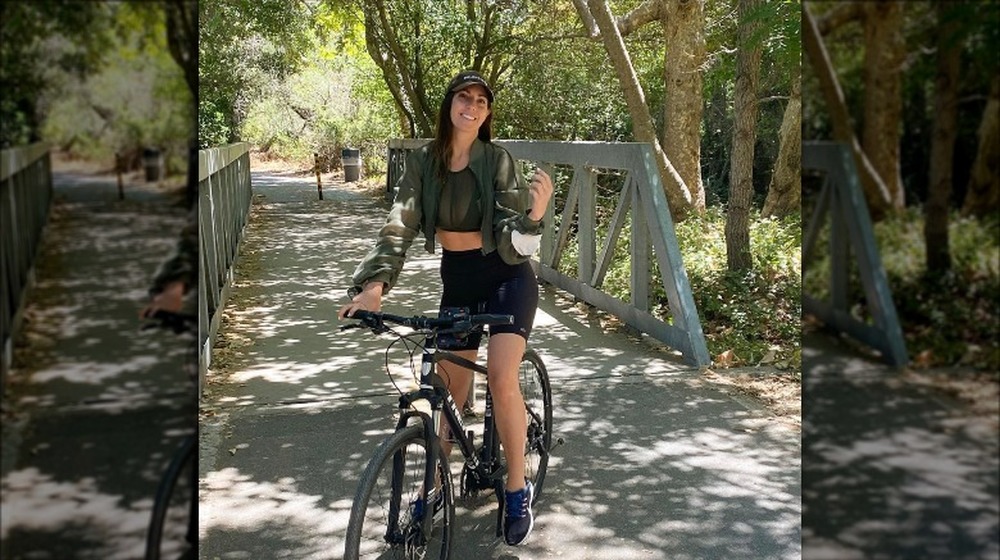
<point x="466" y="193"/>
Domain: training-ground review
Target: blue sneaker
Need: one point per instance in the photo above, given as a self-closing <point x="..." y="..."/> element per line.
<point x="519" y="520"/>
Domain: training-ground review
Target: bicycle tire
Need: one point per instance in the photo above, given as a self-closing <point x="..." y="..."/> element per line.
<point x="537" y="393"/>
<point x="182" y="459"/>
<point x="392" y="480"/>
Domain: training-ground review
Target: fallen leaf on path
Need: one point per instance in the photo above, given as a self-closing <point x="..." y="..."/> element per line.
<point x="726" y="359"/>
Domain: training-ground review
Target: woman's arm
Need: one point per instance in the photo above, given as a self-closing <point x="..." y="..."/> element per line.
<point x="519" y="209"/>
<point x="384" y="262"/>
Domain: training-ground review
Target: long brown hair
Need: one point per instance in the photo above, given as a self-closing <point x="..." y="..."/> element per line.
<point x="442" y="146"/>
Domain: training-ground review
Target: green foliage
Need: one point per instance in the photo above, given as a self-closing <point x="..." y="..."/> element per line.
<point x="245" y="47"/>
<point x="43" y="45"/>
<point x="98" y="117"/>
<point x="755" y="313"/>
<point x="953" y="318"/>
<point x="213" y="125"/>
<point x="93" y="78"/>
<point x="582" y="101"/>
<point x="333" y="102"/>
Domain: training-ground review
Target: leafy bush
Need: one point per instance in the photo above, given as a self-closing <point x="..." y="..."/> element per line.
<point x="756" y="315"/>
<point x="322" y="109"/>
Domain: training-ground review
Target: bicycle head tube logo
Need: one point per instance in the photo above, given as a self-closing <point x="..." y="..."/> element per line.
<point x="455" y="413"/>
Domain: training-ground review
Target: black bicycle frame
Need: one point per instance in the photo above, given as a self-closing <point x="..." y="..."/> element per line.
<point x="433" y="390"/>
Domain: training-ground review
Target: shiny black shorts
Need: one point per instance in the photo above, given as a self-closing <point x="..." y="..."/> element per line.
<point x="486" y="284"/>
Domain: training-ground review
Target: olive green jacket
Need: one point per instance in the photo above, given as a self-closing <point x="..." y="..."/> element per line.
<point x="502" y="192"/>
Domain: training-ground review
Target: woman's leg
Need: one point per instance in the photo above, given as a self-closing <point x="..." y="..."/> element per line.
<point x="458" y="379"/>
<point x="503" y="361"/>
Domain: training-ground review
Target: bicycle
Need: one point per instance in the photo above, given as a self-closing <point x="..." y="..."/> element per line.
<point x="410" y="466"/>
<point x="183" y="462"/>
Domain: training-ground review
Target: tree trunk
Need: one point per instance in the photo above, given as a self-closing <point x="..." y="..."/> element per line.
<point x="748" y="55"/>
<point x="182" y="39"/>
<point x="876" y="193"/>
<point x="678" y="195"/>
<point x="683" y="24"/>
<point x="982" y="198"/>
<point x="942" y="144"/>
<point x="784" y="193"/>
<point x="885" y="54"/>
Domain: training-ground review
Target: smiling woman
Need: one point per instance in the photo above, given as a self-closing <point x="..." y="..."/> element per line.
<point x="465" y="192"/>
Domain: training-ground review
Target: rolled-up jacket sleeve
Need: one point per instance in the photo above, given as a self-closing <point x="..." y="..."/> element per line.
<point x="517" y="236"/>
<point x="385" y="261"/>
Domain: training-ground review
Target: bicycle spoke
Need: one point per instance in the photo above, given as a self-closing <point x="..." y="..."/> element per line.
<point x="538" y="407"/>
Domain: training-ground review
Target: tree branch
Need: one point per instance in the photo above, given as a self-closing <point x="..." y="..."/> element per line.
<point x="589" y="25"/>
<point x="644" y="13"/>
<point x="841" y="14"/>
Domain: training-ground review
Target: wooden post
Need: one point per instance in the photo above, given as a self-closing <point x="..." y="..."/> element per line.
<point x="319" y="183"/>
<point x="118" y="169"/>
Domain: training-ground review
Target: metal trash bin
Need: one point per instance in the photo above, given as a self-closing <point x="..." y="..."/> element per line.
<point x="152" y="160"/>
<point x="352" y="164"/>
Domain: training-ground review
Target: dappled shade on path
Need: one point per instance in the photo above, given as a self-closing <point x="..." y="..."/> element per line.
<point x="657" y="463"/>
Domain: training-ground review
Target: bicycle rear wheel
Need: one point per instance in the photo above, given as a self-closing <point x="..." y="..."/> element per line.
<point x="537" y="393"/>
<point x="381" y="524"/>
<point x="172" y="530"/>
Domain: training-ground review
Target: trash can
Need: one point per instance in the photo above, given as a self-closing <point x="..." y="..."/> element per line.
<point x="152" y="160"/>
<point x="352" y="164"/>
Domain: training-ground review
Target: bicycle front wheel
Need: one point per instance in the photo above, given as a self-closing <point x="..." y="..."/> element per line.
<point x="385" y="522"/>
<point x="537" y="393"/>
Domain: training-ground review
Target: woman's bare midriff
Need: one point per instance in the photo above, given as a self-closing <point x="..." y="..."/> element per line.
<point x="460" y="240"/>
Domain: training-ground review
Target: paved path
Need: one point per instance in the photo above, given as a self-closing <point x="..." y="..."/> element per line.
<point x="657" y="464"/>
<point x="892" y="470"/>
<point x="93" y="407"/>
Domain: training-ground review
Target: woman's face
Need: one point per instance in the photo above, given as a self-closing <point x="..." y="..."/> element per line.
<point x="469" y="109"/>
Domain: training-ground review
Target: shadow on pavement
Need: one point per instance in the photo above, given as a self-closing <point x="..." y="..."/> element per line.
<point x="96" y="407"/>
<point x="890" y="470"/>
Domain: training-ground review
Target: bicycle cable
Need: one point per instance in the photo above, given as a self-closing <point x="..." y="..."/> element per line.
<point x="407" y="340"/>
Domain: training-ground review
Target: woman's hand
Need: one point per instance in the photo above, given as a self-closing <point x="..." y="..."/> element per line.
<point x="370" y="299"/>
<point x="170" y="299"/>
<point x="541" y="191"/>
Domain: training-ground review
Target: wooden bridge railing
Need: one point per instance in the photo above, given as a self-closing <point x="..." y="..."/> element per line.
<point x="25" y="197"/>
<point x="223" y="209"/>
<point x="642" y="198"/>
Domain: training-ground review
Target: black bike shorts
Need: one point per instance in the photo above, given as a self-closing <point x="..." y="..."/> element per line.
<point x="486" y="284"/>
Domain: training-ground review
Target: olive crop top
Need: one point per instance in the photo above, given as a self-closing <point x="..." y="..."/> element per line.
<point x="460" y="208"/>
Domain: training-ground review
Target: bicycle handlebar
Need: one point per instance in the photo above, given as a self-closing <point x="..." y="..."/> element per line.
<point x="457" y="323"/>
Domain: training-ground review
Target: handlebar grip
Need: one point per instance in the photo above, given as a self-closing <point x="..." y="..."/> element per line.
<point x="363" y="315"/>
